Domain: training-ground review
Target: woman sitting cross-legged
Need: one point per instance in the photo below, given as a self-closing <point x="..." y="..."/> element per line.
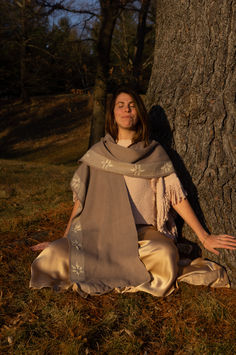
<point x="121" y="234"/>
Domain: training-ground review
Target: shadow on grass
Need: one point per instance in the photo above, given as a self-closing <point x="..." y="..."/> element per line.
<point x="41" y="119"/>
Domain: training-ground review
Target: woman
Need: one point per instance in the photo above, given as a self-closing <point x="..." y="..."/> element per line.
<point x="121" y="234"/>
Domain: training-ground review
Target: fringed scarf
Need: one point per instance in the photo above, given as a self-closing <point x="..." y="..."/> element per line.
<point x="103" y="236"/>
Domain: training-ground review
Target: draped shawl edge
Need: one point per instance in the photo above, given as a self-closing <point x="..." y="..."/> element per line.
<point x="103" y="237"/>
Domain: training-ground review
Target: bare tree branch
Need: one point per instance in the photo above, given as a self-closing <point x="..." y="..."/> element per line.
<point x="59" y="6"/>
<point x="85" y="24"/>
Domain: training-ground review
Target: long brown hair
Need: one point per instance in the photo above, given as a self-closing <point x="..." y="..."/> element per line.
<point x="141" y="133"/>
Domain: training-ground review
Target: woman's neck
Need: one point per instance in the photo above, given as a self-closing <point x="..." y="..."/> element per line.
<point x="125" y="134"/>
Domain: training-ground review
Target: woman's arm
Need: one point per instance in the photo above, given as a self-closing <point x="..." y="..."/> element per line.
<point x="209" y="241"/>
<point x="42" y="246"/>
<point x="73" y="213"/>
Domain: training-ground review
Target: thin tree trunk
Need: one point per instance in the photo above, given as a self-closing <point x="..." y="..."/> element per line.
<point x="139" y="43"/>
<point x="109" y="14"/>
<point x="193" y="86"/>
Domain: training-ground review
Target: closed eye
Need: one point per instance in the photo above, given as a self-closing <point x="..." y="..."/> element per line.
<point x="122" y="104"/>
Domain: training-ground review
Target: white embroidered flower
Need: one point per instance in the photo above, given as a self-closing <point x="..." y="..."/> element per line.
<point x="106" y="164"/>
<point x="77" y="269"/>
<point x="75" y="183"/>
<point x="137" y="169"/>
<point x="76" y="244"/>
<point x="167" y="167"/>
<point x="77" y="227"/>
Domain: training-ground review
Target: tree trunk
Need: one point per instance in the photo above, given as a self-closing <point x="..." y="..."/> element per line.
<point x="109" y="14"/>
<point x="193" y="86"/>
<point x="139" y="43"/>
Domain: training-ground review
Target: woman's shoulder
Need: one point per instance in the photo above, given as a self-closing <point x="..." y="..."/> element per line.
<point x="96" y="148"/>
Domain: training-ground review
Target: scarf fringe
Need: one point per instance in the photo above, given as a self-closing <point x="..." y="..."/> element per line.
<point x="168" y="192"/>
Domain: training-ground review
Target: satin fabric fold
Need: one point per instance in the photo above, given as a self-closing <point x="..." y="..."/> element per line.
<point x="158" y="253"/>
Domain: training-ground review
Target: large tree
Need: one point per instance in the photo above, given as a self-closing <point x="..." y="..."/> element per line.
<point x="192" y="100"/>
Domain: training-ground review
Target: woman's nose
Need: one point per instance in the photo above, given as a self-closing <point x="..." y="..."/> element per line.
<point x="128" y="108"/>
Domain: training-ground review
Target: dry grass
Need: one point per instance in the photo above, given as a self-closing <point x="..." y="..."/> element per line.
<point x="35" y="203"/>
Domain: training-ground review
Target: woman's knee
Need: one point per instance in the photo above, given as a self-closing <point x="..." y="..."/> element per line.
<point x="167" y="247"/>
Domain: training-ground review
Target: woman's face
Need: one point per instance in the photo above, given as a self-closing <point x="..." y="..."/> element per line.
<point x="125" y="112"/>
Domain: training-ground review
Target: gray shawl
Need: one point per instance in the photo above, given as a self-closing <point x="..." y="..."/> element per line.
<point x="103" y="237"/>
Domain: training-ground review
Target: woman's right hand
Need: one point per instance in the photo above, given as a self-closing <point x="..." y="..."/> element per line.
<point x="40" y="246"/>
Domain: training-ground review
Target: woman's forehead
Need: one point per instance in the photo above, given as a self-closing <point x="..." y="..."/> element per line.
<point x="123" y="97"/>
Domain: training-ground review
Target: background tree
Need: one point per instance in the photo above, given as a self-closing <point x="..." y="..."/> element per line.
<point x="44" y="53"/>
<point x="70" y="59"/>
<point x="109" y="13"/>
<point x="39" y="57"/>
<point x="122" y="49"/>
<point x="23" y="28"/>
<point x="193" y="85"/>
<point x="141" y="32"/>
<point x="132" y="53"/>
<point x="127" y="49"/>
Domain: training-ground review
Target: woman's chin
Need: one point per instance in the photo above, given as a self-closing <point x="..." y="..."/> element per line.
<point x="129" y="127"/>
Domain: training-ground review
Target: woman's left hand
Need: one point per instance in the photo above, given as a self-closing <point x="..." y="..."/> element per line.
<point x="222" y="241"/>
<point x="40" y="246"/>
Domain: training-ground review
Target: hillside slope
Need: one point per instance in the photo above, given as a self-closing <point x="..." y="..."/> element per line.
<point x="50" y="129"/>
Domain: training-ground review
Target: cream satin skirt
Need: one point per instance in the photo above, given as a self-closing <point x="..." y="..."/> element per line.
<point x="158" y="253"/>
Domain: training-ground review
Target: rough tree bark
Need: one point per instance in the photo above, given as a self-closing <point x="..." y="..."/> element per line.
<point x="193" y="86"/>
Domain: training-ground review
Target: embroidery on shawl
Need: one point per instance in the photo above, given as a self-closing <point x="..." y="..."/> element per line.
<point x="76" y="244"/>
<point x="106" y="164"/>
<point x="77" y="227"/>
<point x="77" y="256"/>
<point x="137" y="169"/>
<point x="145" y="170"/>
<point x="77" y="269"/>
<point x="167" y="167"/>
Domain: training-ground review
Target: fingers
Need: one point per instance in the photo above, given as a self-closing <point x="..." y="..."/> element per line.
<point x="216" y="252"/>
<point x="227" y="237"/>
<point x="223" y="241"/>
<point x="35" y="248"/>
<point x="40" y="246"/>
<point x="227" y="244"/>
<point x="223" y="245"/>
